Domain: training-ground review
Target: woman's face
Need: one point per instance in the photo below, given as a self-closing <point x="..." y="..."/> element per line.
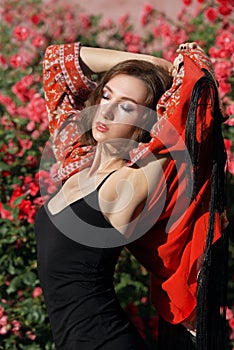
<point x="120" y="108"/>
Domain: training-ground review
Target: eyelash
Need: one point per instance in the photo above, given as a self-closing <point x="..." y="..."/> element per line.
<point x="105" y="96"/>
<point x="125" y="106"/>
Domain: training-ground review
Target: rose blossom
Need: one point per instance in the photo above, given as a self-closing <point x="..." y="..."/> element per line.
<point x="229" y="313"/>
<point x="145" y="17"/>
<point x="27" y="211"/>
<point x="211" y="14"/>
<point x="37" y="292"/>
<point x="21" y="33"/>
<point x="38" y="40"/>
<point x="31" y="161"/>
<point x="3" y="62"/>
<point x="1" y="311"/>
<point x="35" y="134"/>
<point x="4" y="320"/>
<point x="187" y="2"/>
<point x="4" y="213"/>
<point x="84" y="21"/>
<point x="3" y="330"/>
<point x="16" y="326"/>
<point x="123" y="19"/>
<point x="31" y="126"/>
<point x="22" y="92"/>
<point x="36" y="108"/>
<point x="223" y="69"/>
<point x="231" y="323"/>
<point x="35" y="19"/>
<point x="16" y="61"/>
<point x="31" y="335"/>
<point x="224" y="87"/>
<point x="224" y="10"/>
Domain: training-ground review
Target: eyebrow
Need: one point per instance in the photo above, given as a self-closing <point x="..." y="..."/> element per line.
<point x="123" y="98"/>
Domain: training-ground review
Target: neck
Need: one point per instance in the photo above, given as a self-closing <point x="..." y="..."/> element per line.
<point x="106" y="160"/>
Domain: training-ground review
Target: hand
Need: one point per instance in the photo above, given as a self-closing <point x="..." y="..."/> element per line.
<point x="185" y="48"/>
<point x="188" y="47"/>
<point x="197" y="53"/>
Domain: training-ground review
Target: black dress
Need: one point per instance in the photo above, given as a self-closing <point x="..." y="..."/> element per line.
<point x="77" y="283"/>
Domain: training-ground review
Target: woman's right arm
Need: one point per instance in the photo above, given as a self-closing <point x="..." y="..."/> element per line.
<point x="66" y="89"/>
<point x="65" y="86"/>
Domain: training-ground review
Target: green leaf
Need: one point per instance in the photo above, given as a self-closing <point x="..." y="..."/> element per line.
<point x="30" y="278"/>
<point x="14" y="285"/>
<point x="4" y="166"/>
<point x="19" y="199"/>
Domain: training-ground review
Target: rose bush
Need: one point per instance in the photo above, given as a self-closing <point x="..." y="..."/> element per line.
<point x="26" y="29"/>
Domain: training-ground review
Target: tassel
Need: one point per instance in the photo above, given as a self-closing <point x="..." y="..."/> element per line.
<point x="208" y="308"/>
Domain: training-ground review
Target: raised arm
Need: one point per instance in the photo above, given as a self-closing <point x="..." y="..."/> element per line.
<point x="67" y="85"/>
<point x="66" y="89"/>
<point x="97" y="60"/>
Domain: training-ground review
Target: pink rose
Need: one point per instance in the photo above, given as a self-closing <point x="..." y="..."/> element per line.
<point x="31" y="335"/>
<point x="37" y="292"/>
<point x="21" y="33"/>
<point x="38" y="40"/>
<point x="16" y="61"/>
<point x="231" y="323"/>
<point x="16" y="326"/>
<point x="4" y="330"/>
<point x="1" y="311"/>
<point x="4" y="320"/>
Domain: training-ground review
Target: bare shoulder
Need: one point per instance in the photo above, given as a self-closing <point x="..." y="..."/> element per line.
<point x="142" y="177"/>
<point x="126" y="191"/>
<point x="147" y="173"/>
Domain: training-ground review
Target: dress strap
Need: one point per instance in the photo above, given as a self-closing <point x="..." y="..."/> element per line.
<point x="104" y="180"/>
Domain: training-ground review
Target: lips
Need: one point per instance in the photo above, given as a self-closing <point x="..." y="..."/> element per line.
<point x="101" y="127"/>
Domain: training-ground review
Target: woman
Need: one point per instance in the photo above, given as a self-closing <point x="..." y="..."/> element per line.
<point x="123" y="185"/>
<point x="77" y="274"/>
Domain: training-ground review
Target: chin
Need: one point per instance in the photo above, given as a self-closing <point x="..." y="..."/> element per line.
<point x="98" y="137"/>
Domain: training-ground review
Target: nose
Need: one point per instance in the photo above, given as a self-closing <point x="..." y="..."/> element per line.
<point x="108" y="111"/>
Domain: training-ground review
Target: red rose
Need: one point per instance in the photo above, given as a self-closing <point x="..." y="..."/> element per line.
<point x="211" y="14"/>
<point x="21" y="33"/>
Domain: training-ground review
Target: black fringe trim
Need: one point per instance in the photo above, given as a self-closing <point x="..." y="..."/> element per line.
<point x="211" y="291"/>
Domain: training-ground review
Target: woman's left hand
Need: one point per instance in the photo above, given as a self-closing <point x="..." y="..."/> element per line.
<point x="188" y="47"/>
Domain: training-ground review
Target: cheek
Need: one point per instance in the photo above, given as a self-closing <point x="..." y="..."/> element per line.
<point x="124" y="131"/>
<point x="96" y="116"/>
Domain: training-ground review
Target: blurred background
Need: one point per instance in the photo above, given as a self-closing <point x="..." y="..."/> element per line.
<point x="27" y="27"/>
<point x="115" y="9"/>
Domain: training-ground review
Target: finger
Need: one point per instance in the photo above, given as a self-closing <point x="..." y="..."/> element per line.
<point x="181" y="48"/>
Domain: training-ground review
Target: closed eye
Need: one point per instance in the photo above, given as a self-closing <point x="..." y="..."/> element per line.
<point x="127" y="107"/>
<point x="106" y="95"/>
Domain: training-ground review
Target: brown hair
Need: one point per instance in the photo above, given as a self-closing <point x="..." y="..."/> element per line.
<point x="156" y="80"/>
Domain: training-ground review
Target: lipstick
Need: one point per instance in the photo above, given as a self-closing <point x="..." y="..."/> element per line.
<point x="101" y="127"/>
